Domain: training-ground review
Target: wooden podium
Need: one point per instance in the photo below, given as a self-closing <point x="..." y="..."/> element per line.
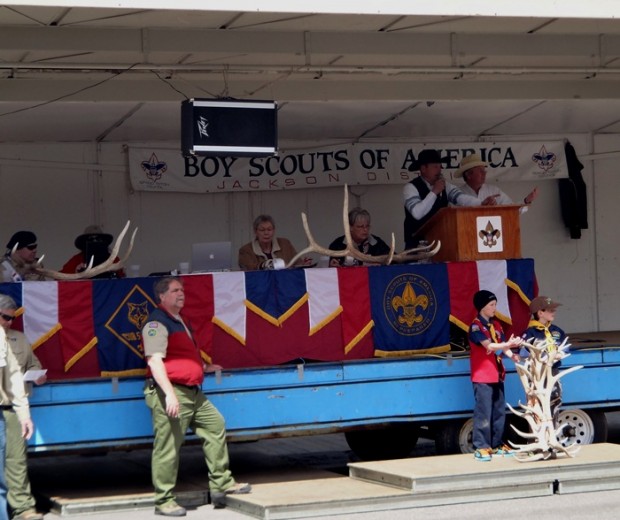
<point x="474" y="233"/>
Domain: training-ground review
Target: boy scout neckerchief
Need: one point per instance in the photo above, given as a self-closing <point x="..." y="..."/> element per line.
<point x="498" y="358"/>
<point x="545" y="328"/>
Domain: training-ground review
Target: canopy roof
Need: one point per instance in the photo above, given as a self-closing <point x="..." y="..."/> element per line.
<point x="89" y="73"/>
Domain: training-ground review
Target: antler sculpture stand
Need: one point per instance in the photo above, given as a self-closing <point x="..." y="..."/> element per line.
<point x="538" y="380"/>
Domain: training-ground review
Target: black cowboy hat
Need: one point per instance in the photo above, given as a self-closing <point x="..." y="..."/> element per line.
<point x="426" y="156"/>
<point x="92" y="234"/>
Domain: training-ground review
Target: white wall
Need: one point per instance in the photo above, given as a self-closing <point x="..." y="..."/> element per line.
<point x="58" y="203"/>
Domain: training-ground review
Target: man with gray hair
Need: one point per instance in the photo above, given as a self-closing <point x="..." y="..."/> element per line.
<point x="21" y="502"/>
<point x="174" y="394"/>
<point x="359" y="224"/>
<point x="474" y="172"/>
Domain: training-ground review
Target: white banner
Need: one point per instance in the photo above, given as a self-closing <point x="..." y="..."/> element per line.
<point x="160" y="169"/>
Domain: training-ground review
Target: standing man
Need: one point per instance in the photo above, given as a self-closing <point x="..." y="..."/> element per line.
<point x="16" y="267"/>
<point x="21" y="502"/>
<point x="11" y="391"/>
<point x="474" y="172"/>
<point x="427" y="194"/>
<point x="487" y="344"/>
<point x="175" y="397"/>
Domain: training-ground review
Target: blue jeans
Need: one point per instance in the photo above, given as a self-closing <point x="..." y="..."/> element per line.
<point x="4" y="514"/>
<point x="489" y="415"/>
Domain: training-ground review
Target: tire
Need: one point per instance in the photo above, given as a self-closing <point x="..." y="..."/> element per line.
<point x="583" y="426"/>
<point x="454" y="437"/>
<point x="390" y="442"/>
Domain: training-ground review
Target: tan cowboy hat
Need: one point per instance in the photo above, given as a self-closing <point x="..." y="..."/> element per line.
<point x="467" y="163"/>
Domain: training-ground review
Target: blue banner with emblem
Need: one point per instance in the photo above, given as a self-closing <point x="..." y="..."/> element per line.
<point x="410" y="307"/>
<point x="120" y="310"/>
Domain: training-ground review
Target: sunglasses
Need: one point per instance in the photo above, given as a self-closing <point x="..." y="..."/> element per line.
<point x="6" y="317"/>
<point x="31" y="247"/>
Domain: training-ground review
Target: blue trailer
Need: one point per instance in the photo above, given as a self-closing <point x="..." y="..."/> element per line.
<point x="382" y="405"/>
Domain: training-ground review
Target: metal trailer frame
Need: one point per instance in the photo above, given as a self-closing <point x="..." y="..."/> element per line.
<point x="303" y="399"/>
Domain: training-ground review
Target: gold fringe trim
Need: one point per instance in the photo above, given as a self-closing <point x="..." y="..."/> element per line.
<point x="46" y="336"/>
<point x="228" y="330"/>
<point x="261" y="313"/>
<point x="518" y="290"/>
<point x="402" y="353"/>
<point x="206" y="357"/>
<point x="326" y="321"/>
<point x="79" y="355"/>
<point x="503" y="317"/>
<point x="293" y="309"/>
<point x="359" y="337"/>
<point x="461" y="325"/>
<point x="124" y="373"/>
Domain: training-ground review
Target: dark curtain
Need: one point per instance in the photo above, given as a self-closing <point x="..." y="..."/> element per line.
<point x="573" y="199"/>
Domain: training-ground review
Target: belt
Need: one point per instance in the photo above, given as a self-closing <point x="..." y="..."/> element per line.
<point x="152" y="384"/>
<point x="190" y="387"/>
<point x="6" y="407"/>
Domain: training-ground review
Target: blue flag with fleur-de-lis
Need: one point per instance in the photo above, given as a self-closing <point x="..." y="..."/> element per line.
<point x="410" y="307"/>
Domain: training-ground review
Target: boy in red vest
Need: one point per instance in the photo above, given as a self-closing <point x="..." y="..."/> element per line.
<point x="487" y="344"/>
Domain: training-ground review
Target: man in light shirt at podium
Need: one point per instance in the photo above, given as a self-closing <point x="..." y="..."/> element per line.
<point x="474" y="172"/>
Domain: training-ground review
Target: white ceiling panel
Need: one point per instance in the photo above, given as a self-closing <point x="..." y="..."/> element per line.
<point x="94" y="73"/>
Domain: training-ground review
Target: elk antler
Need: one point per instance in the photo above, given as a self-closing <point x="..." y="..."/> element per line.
<point x="538" y="380"/>
<point x="90" y="271"/>
<point x="351" y="250"/>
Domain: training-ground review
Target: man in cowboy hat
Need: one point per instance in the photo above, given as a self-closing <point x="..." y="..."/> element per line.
<point x="95" y="244"/>
<point x="427" y="194"/>
<point x="474" y="173"/>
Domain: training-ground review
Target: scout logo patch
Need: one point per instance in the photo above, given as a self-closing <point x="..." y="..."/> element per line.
<point x="410" y="304"/>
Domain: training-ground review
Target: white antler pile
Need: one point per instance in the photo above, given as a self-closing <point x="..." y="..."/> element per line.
<point x="538" y="380"/>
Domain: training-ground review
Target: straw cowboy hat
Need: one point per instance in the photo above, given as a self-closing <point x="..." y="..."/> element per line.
<point x="467" y="163"/>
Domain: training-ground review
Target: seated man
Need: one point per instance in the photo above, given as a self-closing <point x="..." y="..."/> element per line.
<point x="427" y="194"/>
<point x="359" y="224"/>
<point x="474" y="173"/>
<point x="95" y="244"/>
<point x="17" y="267"/>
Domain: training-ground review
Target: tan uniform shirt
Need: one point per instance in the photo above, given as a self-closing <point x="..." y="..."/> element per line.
<point x="23" y="353"/>
<point x="12" y="390"/>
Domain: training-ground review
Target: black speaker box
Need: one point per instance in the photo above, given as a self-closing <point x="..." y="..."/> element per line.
<point x="229" y="127"/>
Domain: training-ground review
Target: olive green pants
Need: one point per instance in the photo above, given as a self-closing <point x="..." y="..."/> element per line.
<point x="197" y="414"/>
<point x="19" y="495"/>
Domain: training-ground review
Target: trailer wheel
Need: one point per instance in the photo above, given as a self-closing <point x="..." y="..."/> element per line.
<point x="583" y="426"/>
<point x="455" y="437"/>
<point x="391" y="442"/>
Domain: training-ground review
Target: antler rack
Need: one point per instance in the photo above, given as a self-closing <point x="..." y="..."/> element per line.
<point x="409" y="255"/>
<point x="538" y="380"/>
<point x="90" y="271"/>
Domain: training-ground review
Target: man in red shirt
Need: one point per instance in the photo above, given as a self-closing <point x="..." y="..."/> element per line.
<point x="174" y="395"/>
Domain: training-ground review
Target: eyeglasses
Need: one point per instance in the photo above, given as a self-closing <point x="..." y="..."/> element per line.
<point x="6" y="317"/>
<point x="31" y="247"/>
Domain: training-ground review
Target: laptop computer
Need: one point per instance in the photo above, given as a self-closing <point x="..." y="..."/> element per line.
<point x="211" y="256"/>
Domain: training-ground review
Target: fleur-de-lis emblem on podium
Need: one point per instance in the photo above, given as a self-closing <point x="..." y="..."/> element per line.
<point x="489" y="235"/>
<point x="409" y="301"/>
